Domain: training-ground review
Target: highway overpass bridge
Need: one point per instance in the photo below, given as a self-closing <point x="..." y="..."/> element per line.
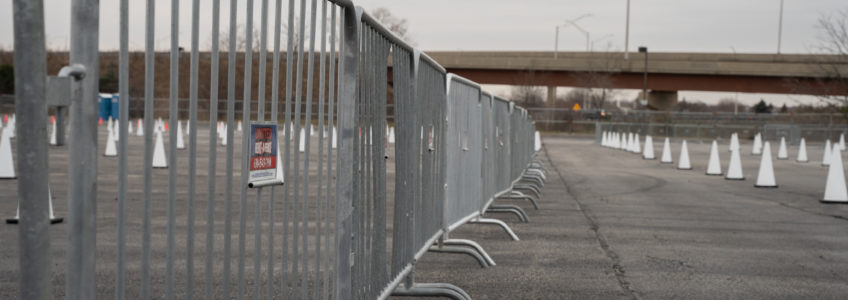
<point x="667" y="72"/>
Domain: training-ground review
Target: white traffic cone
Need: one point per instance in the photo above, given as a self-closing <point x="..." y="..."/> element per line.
<point x="11" y="127"/>
<point x="683" y="163"/>
<point x="714" y="165"/>
<point x="637" y="148"/>
<point x="611" y="140"/>
<point x="765" y="177"/>
<point x="781" y="151"/>
<point x="53" y="218"/>
<point x="734" y="169"/>
<point x="834" y="189"/>
<point x="159" y="159"/>
<point x="129" y="128"/>
<point x="111" y="150"/>
<point x="537" y="144"/>
<point x="139" y="128"/>
<point x="335" y="138"/>
<point x="223" y="135"/>
<point x="311" y="130"/>
<point x="115" y="135"/>
<point x="826" y="155"/>
<point x="624" y="142"/>
<point x="53" y="134"/>
<point x="802" y="152"/>
<point x="7" y="162"/>
<point x="180" y="138"/>
<point x="301" y="145"/>
<point x="238" y="126"/>
<point x="666" y="154"/>
<point x="841" y="142"/>
<point x="392" y="138"/>
<point x="648" y="153"/>
<point x="734" y="142"/>
<point x="758" y="145"/>
<point x="604" y="139"/>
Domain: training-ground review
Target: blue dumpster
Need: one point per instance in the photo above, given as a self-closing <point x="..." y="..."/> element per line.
<point x="115" y="112"/>
<point x="104" y="107"/>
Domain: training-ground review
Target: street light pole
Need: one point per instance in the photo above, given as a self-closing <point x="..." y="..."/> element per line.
<point x="644" y="49"/>
<point x="572" y="23"/>
<point x="780" y="27"/>
<point x="627" y="31"/>
<point x="556" y="41"/>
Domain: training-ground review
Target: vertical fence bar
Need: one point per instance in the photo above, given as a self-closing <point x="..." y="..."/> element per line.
<point x="213" y="141"/>
<point x="231" y="108"/>
<point x="260" y="116"/>
<point x="284" y="261"/>
<point x="304" y="279"/>
<point x="80" y="279"/>
<point x="192" y="146"/>
<point x="245" y="144"/>
<point x="348" y="85"/>
<point x="35" y="262"/>
<point x="149" y="71"/>
<point x="380" y="176"/>
<point x="321" y="189"/>
<point x="275" y="95"/>
<point x="123" y="78"/>
<point x="331" y="131"/>
<point x="297" y="134"/>
<point x="172" y="142"/>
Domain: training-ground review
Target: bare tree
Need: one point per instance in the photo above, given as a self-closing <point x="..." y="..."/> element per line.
<point x="599" y="76"/>
<point x="832" y="86"/>
<point x="399" y="26"/>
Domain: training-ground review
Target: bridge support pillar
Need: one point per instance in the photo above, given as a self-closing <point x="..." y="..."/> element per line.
<point x="551" y="94"/>
<point x="662" y="100"/>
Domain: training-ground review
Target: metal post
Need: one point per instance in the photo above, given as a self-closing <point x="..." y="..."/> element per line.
<point x="556" y="41"/>
<point x="780" y="27"/>
<point x="349" y="68"/>
<point x="31" y="106"/>
<point x="627" y="32"/>
<point x="645" y="75"/>
<point x="61" y="111"/>
<point x="82" y="169"/>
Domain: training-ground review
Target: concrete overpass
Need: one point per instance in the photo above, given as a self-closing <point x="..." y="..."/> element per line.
<point x="667" y="72"/>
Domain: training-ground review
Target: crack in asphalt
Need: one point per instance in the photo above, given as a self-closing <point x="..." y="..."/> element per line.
<point x="617" y="268"/>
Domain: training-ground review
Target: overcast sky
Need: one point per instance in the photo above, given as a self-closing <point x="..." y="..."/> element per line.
<point x="749" y="26"/>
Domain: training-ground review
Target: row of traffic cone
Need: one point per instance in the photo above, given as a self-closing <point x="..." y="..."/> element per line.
<point x="835" y="189"/>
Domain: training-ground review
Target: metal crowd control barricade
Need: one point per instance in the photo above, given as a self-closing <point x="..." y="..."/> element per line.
<point x="319" y="229"/>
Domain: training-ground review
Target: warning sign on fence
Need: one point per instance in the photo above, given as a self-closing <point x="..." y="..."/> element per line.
<point x="263" y="152"/>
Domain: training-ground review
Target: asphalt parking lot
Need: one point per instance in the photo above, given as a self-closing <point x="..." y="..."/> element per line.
<point x="610" y="225"/>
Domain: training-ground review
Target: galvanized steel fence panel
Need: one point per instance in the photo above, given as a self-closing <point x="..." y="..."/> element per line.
<point x="324" y="232"/>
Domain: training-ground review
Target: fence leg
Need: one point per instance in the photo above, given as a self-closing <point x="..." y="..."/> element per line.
<point x="431" y="290"/>
<point x="499" y="223"/>
<point x="519" y="195"/>
<point x="477" y="254"/>
<point x="522" y="216"/>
